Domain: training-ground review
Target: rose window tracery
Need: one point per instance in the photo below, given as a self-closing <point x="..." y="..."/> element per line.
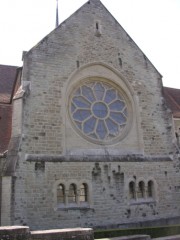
<point x="99" y="111"/>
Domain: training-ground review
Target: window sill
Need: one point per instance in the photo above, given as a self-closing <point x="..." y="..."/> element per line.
<point x="142" y="201"/>
<point x="73" y="207"/>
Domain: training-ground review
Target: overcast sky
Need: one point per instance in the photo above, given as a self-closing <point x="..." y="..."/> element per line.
<point x="153" y="24"/>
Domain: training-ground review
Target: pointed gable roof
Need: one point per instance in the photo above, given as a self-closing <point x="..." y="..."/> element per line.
<point x="94" y="5"/>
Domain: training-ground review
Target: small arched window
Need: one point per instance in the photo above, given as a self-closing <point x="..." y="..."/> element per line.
<point x="132" y="194"/>
<point x="84" y="193"/>
<point x="141" y="189"/>
<point x="150" y="189"/>
<point x="60" y="194"/>
<point x="72" y="195"/>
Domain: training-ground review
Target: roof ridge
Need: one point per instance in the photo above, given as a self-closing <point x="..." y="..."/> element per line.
<point x="94" y="1"/>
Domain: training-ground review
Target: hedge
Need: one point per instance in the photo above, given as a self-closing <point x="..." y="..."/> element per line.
<point x="154" y="232"/>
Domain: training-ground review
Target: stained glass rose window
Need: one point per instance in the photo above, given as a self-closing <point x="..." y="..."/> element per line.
<point x="99" y="111"/>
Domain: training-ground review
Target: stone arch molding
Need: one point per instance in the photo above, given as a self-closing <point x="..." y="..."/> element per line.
<point x="110" y="75"/>
<point x="99" y="69"/>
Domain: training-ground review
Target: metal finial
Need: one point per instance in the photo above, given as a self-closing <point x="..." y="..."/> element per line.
<point x="57" y="15"/>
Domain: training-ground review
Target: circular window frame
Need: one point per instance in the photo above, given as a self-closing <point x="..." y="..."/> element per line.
<point x="126" y="99"/>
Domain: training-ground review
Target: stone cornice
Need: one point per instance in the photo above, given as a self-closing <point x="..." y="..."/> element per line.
<point x="95" y="158"/>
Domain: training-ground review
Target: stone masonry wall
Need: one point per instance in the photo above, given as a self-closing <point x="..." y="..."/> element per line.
<point x="23" y="233"/>
<point x="50" y="68"/>
<point x="109" y="203"/>
<point x="50" y="64"/>
<point x="14" y="233"/>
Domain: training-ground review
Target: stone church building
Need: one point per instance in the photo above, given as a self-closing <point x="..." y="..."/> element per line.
<point x="93" y="140"/>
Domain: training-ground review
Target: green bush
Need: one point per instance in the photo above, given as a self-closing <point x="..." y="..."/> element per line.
<point x="154" y="232"/>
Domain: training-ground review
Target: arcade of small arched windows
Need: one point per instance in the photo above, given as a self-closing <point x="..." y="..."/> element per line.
<point x="72" y="195"/>
<point x="142" y="191"/>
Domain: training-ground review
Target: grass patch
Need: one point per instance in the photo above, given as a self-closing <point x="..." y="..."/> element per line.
<point x="154" y="232"/>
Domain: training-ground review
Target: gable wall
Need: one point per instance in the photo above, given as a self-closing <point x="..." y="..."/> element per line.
<point x="49" y="68"/>
<point x="53" y="61"/>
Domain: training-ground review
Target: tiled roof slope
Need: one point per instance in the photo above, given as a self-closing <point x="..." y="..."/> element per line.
<point x="7" y="84"/>
<point x="7" y="81"/>
<point x="172" y="96"/>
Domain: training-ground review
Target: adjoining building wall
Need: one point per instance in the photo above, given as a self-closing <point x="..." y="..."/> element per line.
<point x="6" y="124"/>
<point x="177" y="126"/>
<point x="6" y="197"/>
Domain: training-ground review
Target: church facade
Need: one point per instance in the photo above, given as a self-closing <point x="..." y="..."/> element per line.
<point x="92" y="142"/>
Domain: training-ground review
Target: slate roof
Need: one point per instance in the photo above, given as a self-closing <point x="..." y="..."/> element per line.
<point x="172" y="96"/>
<point x="7" y="82"/>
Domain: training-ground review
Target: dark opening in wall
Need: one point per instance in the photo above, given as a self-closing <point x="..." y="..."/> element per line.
<point x="97" y="26"/>
<point x="97" y="29"/>
<point x="40" y="166"/>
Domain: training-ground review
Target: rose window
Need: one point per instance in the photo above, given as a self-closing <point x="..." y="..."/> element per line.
<point x="99" y="111"/>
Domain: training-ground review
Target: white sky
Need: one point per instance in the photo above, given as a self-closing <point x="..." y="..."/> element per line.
<point x="153" y="24"/>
